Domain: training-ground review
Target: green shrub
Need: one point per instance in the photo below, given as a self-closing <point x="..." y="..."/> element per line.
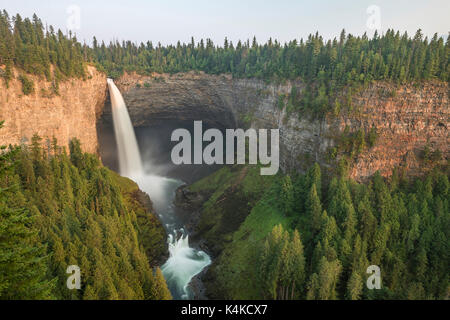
<point x="27" y="85"/>
<point x="430" y="155"/>
<point x="281" y="101"/>
<point x="436" y="155"/>
<point x="393" y="93"/>
<point x="372" y="137"/>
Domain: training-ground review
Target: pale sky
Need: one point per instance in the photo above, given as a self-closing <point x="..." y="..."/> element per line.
<point x="171" y="20"/>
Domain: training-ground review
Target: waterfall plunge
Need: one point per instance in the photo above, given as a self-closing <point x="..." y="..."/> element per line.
<point x="184" y="262"/>
<point x="129" y="157"/>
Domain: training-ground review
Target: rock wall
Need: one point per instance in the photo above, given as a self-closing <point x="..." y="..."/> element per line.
<point x="72" y="113"/>
<point x="183" y="97"/>
<point x="417" y="116"/>
<point x="405" y="122"/>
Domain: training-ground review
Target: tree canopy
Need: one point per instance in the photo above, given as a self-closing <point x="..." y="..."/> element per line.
<point x="58" y="210"/>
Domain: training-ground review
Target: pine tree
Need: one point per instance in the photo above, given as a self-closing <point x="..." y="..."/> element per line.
<point x="298" y="264"/>
<point x="22" y="263"/>
<point x="354" y="287"/>
<point x="161" y="290"/>
<point x="22" y="260"/>
<point x="314" y="209"/>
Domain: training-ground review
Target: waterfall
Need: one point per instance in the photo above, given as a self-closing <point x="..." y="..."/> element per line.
<point x="184" y="262"/>
<point x="129" y="157"/>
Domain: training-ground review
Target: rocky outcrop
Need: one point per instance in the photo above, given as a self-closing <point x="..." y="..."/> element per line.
<point x="407" y="121"/>
<point x="71" y="113"/>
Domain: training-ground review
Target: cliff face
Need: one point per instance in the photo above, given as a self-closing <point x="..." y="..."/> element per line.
<point x="414" y="118"/>
<point x="185" y="97"/>
<point x="72" y="113"/>
<point x="407" y="121"/>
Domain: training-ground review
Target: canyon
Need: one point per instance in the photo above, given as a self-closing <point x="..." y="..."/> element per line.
<point x="406" y="122"/>
<point x="407" y="119"/>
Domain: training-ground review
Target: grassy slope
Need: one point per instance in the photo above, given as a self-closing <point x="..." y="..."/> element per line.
<point x="236" y="228"/>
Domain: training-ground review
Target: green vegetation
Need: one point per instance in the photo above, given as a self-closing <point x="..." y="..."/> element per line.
<point x="58" y="210"/>
<point x="431" y="156"/>
<point x="388" y="57"/>
<point x="351" y="144"/>
<point x="237" y="189"/>
<point x="275" y="237"/>
<point x="372" y="137"/>
<point x="228" y="214"/>
<point x="280" y="102"/>
<point x="27" y="85"/>
<point x="247" y="120"/>
<point x="327" y="67"/>
<point x="26" y="45"/>
<point x="343" y="227"/>
<point x="282" y="264"/>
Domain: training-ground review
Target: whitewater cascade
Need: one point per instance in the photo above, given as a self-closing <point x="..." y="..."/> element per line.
<point x="184" y="262"/>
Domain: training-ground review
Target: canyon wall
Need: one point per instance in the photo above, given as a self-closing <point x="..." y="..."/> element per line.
<point x="73" y="112"/>
<point x="413" y="117"/>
